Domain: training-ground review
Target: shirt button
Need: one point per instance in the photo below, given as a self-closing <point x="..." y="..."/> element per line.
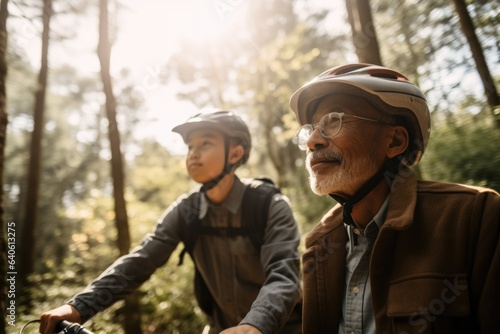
<point x="355" y="290"/>
<point x="357" y="231"/>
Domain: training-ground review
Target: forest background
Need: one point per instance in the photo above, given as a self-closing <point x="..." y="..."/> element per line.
<point x="91" y="89"/>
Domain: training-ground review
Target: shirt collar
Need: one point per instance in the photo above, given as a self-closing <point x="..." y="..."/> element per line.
<point x="371" y="230"/>
<point x="232" y="202"/>
<point x="382" y="213"/>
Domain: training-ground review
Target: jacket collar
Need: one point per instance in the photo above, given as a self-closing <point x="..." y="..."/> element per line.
<point x="232" y="202"/>
<point x="402" y="201"/>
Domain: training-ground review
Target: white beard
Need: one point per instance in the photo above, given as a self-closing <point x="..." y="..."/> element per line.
<point x="345" y="181"/>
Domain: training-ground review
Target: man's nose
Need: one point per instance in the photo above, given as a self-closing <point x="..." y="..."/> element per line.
<point x="316" y="141"/>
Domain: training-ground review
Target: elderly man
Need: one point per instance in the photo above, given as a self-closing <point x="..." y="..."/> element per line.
<point x="397" y="254"/>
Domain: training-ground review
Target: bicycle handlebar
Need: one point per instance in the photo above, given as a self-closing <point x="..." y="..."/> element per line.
<point x="63" y="326"/>
<point x="71" y="328"/>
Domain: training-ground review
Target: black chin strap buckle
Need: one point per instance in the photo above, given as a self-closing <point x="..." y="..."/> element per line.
<point x="212" y="183"/>
<point x="346" y="209"/>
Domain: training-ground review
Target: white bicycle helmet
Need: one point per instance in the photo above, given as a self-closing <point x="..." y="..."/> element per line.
<point x="389" y="91"/>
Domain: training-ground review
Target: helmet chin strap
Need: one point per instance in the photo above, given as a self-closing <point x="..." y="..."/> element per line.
<point x="348" y="203"/>
<point x="212" y="183"/>
<point x="227" y="169"/>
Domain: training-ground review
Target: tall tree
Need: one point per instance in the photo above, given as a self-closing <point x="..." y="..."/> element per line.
<point x="423" y="46"/>
<point x="132" y="323"/>
<point x="468" y="29"/>
<point x="4" y="13"/>
<point x="363" y="31"/>
<point x="398" y="25"/>
<point x="31" y="215"/>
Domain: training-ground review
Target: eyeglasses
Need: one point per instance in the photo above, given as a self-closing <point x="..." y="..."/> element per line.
<point x="329" y="126"/>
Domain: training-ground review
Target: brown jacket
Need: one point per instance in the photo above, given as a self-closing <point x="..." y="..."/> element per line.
<point x="435" y="266"/>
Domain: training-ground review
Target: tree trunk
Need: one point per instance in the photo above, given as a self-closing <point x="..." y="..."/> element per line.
<point x="132" y="320"/>
<point x="363" y="31"/>
<point x="4" y="286"/>
<point x="29" y="228"/>
<point x="477" y="53"/>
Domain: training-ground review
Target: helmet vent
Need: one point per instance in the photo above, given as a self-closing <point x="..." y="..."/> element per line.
<point x="348" y="69"/>
<point x="384" y="76"/>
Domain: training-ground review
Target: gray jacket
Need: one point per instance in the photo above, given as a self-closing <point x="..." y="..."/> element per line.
<point x="260" y="289"/>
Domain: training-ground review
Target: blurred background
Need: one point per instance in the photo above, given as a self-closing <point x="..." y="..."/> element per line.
<point x="90" y="91"/>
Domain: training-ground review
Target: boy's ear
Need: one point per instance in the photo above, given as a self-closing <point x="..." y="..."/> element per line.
<point x="236" y="154"/>
<point x="399" y="141"/>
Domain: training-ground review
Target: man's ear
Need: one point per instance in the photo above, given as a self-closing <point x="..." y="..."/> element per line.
<point x="399" y="141"/>
<point x="236" y="154"/>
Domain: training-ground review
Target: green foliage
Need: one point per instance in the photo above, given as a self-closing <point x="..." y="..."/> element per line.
<point x="464" y="148"/>
<point x="156" y="177"/>
<point x="49" y="290"/>
<point x="169" y="303"/>
<point x="308" y="207"/>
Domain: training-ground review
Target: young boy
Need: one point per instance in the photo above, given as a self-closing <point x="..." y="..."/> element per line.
<point x="243" y="285"/>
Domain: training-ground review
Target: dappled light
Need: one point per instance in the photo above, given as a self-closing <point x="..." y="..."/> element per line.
<point x="168" y="60"/>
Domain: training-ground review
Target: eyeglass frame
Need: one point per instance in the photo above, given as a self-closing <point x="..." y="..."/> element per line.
<point x="340" y="115"/>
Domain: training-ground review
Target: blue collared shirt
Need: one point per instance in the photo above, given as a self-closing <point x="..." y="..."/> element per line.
<point x="357" y="307"/>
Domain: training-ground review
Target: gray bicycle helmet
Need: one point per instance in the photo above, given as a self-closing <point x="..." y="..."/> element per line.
<point x="225" y="121"/>
<point x="230" y="124"/>
<point x="388" y="90"/>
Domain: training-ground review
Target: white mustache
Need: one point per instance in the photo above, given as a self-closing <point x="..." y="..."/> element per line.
<point x="323" y="155"/>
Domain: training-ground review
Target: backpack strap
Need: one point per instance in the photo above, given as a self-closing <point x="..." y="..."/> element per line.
<point x="189" y="210"/>
<point x="255" y="211"/>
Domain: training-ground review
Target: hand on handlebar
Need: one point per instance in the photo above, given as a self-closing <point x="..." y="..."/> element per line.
<point x="48" y="320"/>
